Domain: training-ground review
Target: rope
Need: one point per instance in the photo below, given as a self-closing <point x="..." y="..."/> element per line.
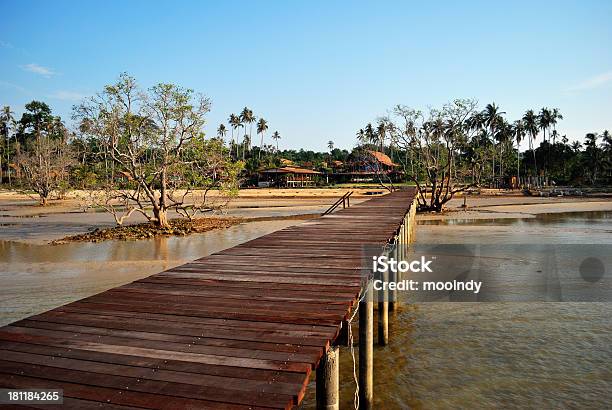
<point x="350" y="333"/>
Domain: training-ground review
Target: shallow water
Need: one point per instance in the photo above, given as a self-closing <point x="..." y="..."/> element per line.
<point x="544" y="355"/>
<point x="36" y="278"/>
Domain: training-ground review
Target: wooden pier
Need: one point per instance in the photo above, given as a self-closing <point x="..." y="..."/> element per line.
<point x="242" y="328"/>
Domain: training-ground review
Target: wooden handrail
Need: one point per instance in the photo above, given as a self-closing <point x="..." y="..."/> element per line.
<point x="344" y="200"/>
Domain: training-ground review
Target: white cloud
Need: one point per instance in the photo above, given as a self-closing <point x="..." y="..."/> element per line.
<point x="593" y="82"/>
<point x="38" y="69"/>
<point x="68" y="95"/>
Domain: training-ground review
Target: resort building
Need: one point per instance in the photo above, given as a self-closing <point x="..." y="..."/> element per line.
<point x="289" y="176"/>
<point x="367" y="166"/>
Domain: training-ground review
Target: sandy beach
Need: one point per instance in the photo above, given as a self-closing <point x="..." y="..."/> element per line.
<point x="23" y="220"/>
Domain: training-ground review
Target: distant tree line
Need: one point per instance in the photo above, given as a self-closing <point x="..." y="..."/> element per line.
<point x="450" y="149"/>
<point x="144" y="151"/>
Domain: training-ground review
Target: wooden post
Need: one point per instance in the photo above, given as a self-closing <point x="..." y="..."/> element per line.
<point x="343" y="336"/>
<point x="328" y="380"/>
<point x="366" y="354"/>
<point x="394" y="277"/>
<point x="402" y="243"/>
<point x="383" y="312"/>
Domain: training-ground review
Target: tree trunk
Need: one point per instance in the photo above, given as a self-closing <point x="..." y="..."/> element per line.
<point x="161" y="218"/>
<point x="518" y="164"/>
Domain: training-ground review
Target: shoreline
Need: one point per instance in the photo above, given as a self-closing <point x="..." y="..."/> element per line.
<point x="519" y="210"/>
<point x="24" y="222"/>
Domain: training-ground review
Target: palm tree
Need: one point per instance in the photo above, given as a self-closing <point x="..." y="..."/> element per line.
<point x="361" y="136"/>
<point x="530" y="122"/>
<point x="519" y="133"/>
<point x="592" y="155"/>
<point x="553" y="135"/>
<point x="235" y="122"/>
<point x="276" y="136"/>
<point x="544" y="120"/>
<point x="555" y="116"/>
<point x="246" y="143"/>
<point x="607" y="149"/>
<point x="7" y="121"/>
<point x="330" y="145"/>
<point x="504" y="134"/>
<point x="492" y="118"/>
<point x="370" y="134"/>
<point x="221" y="131"/>
<point x="262" y="127"/>
<point x="232" y="121"/>
<point x="247" y="117"/>
<point x="381" y="131"/>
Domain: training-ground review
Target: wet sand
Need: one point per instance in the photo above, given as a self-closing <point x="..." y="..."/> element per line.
<point x="22" y="220"/>
<point x="36" y="278"/>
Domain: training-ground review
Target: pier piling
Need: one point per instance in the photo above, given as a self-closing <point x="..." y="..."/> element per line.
<point x="366" y="354"/>
<point x="383" y="311"/>
<point x="394" y="277"/>
<point x="328" y="380"/>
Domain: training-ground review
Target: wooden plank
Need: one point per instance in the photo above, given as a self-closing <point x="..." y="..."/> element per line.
<point x="138" y="385"/>
<point x="197" y="369"/>
<point x="112" y="396"/>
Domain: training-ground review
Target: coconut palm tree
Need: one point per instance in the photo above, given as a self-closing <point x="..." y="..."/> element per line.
<point x="247" y="117"/>
<point x="555" y="117"/>
<point x="530" y="122"/>
<point x="361" y="136"/>
<point x="576" y="146"/>
<point x="276" y="136"/>
<point x="492" y="118"/>
<point x="330" y="145"/>
<point x="607" y="149"/>
<point x="246" y="143"/>
<point x="235" y="122"/>
<point x="518" y="129"/>
<point x="553" y="135"/>
<point x="370" y="134"/>
<point x="221" y="131"/>
<point x="262" y="127"/>
<point x="381" y="131"/>
<point x="503" y="135"/>
<point x="7" y="121"/>
<point x="544" y="120"/>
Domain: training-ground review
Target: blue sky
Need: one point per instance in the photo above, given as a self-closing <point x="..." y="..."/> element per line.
<point x="318" y="70"/>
